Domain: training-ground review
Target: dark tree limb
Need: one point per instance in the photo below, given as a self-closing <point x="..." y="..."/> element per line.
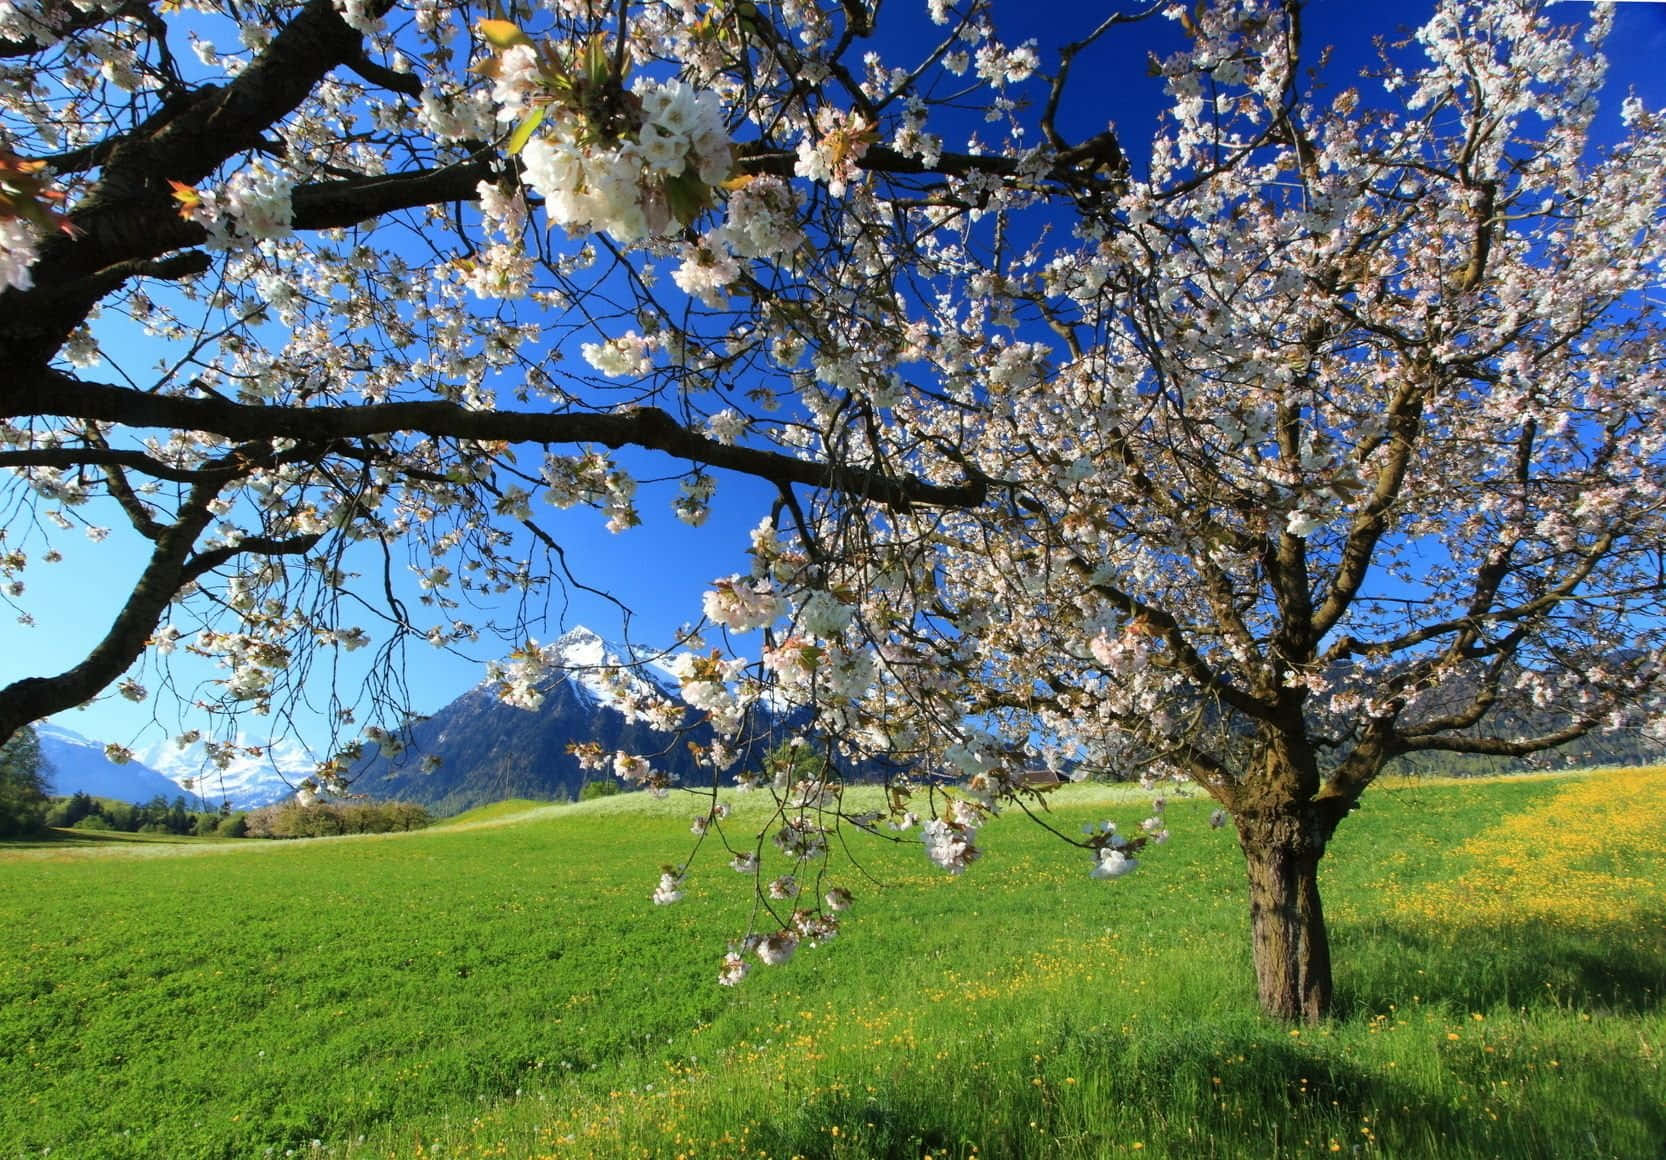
<point x="54" y="393"/>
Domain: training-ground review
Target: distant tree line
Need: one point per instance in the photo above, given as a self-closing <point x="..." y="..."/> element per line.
<point x="291" y="819"/>
<point x="82" y="811"/>
<point x="26" y="808"/>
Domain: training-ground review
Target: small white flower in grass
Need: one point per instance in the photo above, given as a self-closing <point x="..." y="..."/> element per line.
<point x="1113" y="864"/>
<point x="777" y="948"/>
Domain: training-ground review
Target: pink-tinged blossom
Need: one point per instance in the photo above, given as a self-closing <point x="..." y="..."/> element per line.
<point x="19" y="248"/>
<point x="733" y="970"/>
<point x="777" y="948"/>
<point x="831" y="154"/>
<point x="949" y="844"/>
<point x="739" y="604"/>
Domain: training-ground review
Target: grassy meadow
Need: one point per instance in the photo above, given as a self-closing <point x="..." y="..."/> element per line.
<point x="501" y="986"/>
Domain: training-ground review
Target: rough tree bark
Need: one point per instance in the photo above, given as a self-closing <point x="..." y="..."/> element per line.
<point x="1291" y="948"/>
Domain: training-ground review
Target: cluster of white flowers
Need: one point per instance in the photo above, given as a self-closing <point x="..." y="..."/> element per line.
<point x="833" y="152"/>
<point x="741" y="605"/>
<point x="726" y="426"/>
<point x="824" y="614"/>
<point x="501" y="270"/>
<point x="255" y="205"/>
<point x="801" y="837"/>
<point x="670" y="889"/>
<point x="619" y="188"/>
<point x="1112" y="859"/>
<point x="704" y="271"/>
<point x="734" y="969"/>
<point x="628" y="356"/>
<point x="707" y="684"/>
<point x="949" y="839"/>
<point x="1112" y="863"/>
<point x="777" y="948"/>
<point x="693" y="504"/>
<point x="518" y="676"/>
<point x="631" y="767"/>
<point x="763" y="220"/>
<point x="502" y="210"/>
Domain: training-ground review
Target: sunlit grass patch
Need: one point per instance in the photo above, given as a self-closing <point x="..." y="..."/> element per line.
<point x="1589" y="855"/>
<point x="505" y="989"/>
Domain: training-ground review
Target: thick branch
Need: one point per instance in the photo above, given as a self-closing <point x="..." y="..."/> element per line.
<point x="33" y="698"/>
<point x="53" y="393"/>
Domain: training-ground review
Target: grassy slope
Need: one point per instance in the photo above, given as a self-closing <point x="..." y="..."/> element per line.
<point x="508" y="990"/>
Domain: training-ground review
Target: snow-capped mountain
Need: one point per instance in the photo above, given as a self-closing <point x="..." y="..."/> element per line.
<point x="76" y="764"/>
<point x="489" y="751"/>
<point x="258" y="775"/>
<point x="597" y="670"/>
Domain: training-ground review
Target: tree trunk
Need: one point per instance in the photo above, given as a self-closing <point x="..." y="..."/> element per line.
<point x="1282" y="848"/>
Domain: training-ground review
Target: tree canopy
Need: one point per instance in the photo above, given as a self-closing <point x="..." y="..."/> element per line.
<point x="1323" y="428"/>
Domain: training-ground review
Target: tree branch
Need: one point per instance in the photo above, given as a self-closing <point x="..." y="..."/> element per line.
<point x="54" y="393"/>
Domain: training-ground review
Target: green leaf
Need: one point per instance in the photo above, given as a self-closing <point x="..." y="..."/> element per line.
<point x="523" y="132"/>
<point x="686" y="195"/>
<point x="597" y="64"/>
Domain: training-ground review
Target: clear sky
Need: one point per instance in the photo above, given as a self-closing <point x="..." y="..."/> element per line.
<point x="661" y="568"/>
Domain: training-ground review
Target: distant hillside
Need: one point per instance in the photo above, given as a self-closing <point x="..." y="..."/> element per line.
<point x="75" y="763"/>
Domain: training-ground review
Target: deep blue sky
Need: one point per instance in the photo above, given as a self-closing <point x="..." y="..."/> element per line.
<point x="661" y="568"/>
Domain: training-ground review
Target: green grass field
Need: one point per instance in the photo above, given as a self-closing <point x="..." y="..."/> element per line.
<point x="502" y="986"/>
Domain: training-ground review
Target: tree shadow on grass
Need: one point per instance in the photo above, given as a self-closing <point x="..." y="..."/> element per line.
<point x="1257" y="1092"/>
<point x="1243" y="1088"/>
<point x="1597" y="966"/>
<point x="69" y="839"/>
